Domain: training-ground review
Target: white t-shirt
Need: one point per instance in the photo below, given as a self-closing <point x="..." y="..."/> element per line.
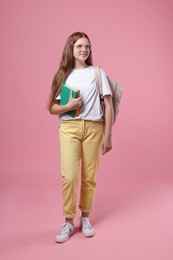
<point x="84" y="79"/>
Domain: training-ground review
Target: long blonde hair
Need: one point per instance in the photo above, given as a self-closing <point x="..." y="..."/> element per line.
<point x="66" y="65"/>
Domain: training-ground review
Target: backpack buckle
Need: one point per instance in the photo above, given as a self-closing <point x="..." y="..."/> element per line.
<point x="101" y="98"/>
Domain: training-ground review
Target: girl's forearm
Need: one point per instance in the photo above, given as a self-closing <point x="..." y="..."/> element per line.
<point x="57" y="109"/>
<point x="108" y="117"/>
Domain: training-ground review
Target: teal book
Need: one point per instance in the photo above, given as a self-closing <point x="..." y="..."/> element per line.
<point x="65" y="95"/>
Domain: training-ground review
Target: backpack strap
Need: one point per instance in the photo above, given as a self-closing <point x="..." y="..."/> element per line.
<point x="98" y="81"/>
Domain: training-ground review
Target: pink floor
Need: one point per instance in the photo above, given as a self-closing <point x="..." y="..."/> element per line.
<point x="132" y="222"/>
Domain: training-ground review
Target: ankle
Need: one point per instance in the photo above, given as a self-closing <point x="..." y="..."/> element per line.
<point x="70" y="220"/>
<point x="85" y="215"/>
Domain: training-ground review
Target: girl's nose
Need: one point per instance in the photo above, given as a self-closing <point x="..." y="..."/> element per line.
<point x="84" y="47"/>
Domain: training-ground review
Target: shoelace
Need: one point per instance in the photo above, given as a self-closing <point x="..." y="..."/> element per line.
<point x="65" y="229"/>
<point x="86" y="224"/>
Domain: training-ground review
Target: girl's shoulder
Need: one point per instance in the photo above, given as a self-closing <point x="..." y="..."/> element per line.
<point x="102" y="71"/>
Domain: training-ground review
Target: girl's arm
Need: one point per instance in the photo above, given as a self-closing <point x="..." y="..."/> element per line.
<point x="107" y="139"/>
<point x="73" y="104"/>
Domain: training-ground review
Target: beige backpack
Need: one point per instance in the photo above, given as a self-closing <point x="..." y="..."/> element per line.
<point x="116" y="92"/>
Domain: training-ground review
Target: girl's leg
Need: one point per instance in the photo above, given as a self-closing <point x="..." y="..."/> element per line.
<point x="70" y="147"/>
<point x="90" y="162"/>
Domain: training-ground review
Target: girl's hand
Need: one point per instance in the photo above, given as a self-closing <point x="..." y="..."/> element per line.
<point x="74" y="103"/>
<point x="106" y="145"/>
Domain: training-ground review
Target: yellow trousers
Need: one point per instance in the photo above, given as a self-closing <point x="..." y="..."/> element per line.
<point x="80" y="141"/>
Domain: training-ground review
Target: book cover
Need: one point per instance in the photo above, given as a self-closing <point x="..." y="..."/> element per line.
<point x="65" y="95"/>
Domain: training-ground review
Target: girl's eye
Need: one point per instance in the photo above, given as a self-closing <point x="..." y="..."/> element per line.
<point x="87" y="47"/>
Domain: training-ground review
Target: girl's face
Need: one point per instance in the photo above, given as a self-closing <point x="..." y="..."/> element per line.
<point x="81" y="50"/>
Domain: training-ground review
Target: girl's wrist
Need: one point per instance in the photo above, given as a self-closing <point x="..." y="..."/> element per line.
<point x="108" y="135"/>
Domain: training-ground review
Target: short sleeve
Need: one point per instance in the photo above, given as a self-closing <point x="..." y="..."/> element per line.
<point x="105" y="84"/>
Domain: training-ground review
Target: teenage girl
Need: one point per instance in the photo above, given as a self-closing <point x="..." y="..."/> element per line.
<point x="81" y="137"/>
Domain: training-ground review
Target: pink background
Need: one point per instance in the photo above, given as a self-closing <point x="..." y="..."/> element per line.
<point x="132" y="40"/>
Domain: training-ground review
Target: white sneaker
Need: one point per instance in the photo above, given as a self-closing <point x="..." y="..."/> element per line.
<point x="66" y="231"/>
<point x="87" y="229"/>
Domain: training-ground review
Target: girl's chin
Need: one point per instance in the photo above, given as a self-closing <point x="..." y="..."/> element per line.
<point x="83" y="58"/>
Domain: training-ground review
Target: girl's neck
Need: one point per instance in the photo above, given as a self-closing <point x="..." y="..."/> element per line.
<point x="80" y="65"/>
